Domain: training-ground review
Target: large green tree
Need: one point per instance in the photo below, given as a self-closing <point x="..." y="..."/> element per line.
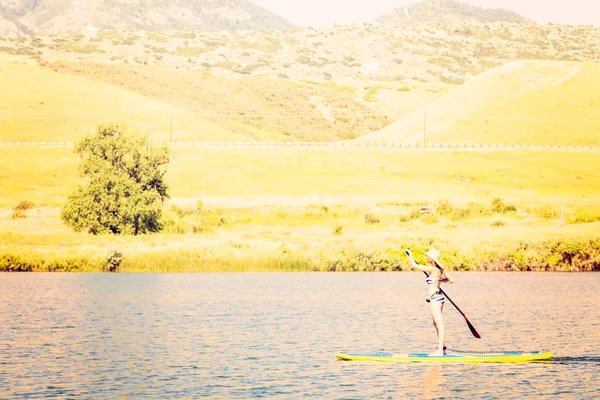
<point x="124" y="187"/>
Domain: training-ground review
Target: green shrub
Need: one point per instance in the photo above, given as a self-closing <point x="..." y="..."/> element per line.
<point x="369" y="96"/>
<point x="17" y="214"/>
<point x="213" y="42"/>
<point x="429" y="219"/>
<point x="446" y="209"/>
<point x="338" y="230"/>
<point x="371" y="219"/>
<point x="248" y="69"/>
<point x="113" y="261"/>
<point x="350" y="259"/>
<point x="499" y="207"/>
<point x="415" y="214"/>
<point x="441" y="61"/>
<point x="558" y="255"/>
<point x="199" y="228"/>
<point x="25" y="261"/>
<point x="24" y="205"/>
<point x="80" y="48"/>
<point x="191" y="51"/>
<point x="583" y="218"/>
<point x="404" y="218"/>
<point x="459" y="214"/>
<point x="497" y="224"/>
<point x="19" y="210"/>
<point x="452" y="80"/>
<point x="128" y="41"/>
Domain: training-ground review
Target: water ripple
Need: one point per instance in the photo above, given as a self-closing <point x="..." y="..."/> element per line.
<point x="275" y="335"/>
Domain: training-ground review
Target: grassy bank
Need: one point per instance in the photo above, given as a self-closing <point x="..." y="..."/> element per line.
<point x="220" y="218"/>
<point x="551" y="255"/>
<point x="495" y="235"/>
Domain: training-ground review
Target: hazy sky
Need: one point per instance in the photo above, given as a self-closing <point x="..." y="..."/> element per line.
<point x="329" y="12"/>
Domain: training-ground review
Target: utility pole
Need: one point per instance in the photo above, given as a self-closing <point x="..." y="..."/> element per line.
<point x="171" y="125"/>
<point x="424" y="125"/>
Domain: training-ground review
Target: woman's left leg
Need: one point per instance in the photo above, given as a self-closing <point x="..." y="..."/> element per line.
<point x="438" y="320"/>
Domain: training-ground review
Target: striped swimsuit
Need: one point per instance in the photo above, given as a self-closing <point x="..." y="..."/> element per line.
<point x="437" y="296"/>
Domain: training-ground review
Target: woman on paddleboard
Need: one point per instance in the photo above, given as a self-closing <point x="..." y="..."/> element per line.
<point x="435" y="276"/>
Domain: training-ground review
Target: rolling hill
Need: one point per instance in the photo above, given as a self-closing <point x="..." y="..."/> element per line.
<point x="38" y="104"/>
<point x="56" y="16"/>
<point x="435" y="11"/>
<point x="66" y="102"/>
<point x="563" y="112"/>
<point x="526" y="102"/>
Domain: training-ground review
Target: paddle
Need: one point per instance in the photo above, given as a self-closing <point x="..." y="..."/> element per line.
<point x="471" y="327"/>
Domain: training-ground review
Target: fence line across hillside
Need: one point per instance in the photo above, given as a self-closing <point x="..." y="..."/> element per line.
<point x="395" y="145"/>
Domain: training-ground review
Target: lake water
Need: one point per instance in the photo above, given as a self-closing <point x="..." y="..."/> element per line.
<point x="275" y="335"/>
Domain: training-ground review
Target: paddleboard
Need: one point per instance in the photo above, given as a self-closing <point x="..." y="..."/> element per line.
<point x="496" y="357"/>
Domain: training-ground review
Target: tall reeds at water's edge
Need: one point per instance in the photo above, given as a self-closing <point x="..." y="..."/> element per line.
<point x="549" y="255"/>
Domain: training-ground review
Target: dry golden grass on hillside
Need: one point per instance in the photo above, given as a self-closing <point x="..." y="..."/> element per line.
<point x="527" y="102"/>
<point x="38" y="104"/>
<point x="257" y="108"/>
<point x="248" y="176"/>
<point x="565" y="111"/>
<point x="533" y="102"/>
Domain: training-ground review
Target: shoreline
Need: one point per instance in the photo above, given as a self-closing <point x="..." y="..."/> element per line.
<point x="558" y="255"/>
<point x="490" y="236"/>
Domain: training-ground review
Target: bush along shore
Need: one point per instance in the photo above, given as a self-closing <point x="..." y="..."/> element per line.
<point x="550" y="255"/>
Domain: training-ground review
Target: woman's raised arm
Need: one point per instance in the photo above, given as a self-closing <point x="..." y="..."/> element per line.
<point x="425" y="268"/>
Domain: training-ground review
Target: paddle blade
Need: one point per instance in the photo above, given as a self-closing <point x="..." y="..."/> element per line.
<point x="472" y="328"/>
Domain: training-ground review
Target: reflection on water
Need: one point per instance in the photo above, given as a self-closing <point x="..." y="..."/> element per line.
<point x="275" y="335"/>
<point x="433" y="383"/>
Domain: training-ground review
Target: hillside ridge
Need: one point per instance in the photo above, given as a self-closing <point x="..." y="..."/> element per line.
<point x="39" y="17"/>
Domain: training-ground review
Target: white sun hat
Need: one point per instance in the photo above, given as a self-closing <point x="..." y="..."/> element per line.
<point x="434" y="255"/>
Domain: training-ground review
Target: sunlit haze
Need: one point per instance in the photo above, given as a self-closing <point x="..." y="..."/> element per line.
<point x="330" y="12"/>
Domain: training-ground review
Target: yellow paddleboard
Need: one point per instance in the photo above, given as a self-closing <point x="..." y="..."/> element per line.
<point x="460" y="357"/>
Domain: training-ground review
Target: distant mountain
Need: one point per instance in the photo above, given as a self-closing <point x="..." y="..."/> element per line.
<point x="60" y="16"/>
<point x="11" y="12"/>
<point x="432" y="11"/>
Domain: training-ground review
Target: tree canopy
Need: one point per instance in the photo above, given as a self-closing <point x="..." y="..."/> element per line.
<point x="124" y="190"/>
